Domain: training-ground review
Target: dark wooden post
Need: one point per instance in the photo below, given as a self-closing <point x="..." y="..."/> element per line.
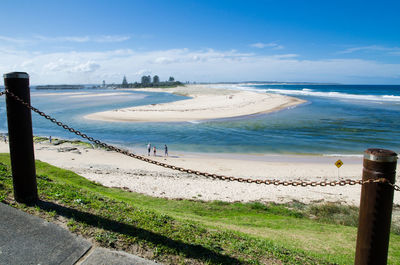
<point x="375" y="207"/>
<point x="21" y="138"/>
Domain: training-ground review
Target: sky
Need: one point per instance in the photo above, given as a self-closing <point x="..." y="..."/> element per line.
<point x="86" y="42"/>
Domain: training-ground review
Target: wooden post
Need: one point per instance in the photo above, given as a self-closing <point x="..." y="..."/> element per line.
<point x="375" y="207"/>
<point x="21" y="138"/>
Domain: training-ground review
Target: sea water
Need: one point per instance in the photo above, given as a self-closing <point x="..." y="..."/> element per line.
<point x="337" y="119"/>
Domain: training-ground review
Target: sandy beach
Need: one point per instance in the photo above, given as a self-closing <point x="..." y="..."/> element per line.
<point x="206" y="102"/>
<point x="115" y="170"/>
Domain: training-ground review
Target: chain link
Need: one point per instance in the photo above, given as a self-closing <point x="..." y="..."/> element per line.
<point x="382" y="180"/>
<point x="199" y="173"/>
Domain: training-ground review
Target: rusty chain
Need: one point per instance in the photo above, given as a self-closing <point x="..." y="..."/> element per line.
<point x="196" y="172"/>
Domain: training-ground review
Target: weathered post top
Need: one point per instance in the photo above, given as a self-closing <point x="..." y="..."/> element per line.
<point x="22" y="75"/>
<point x="380" y="155"/>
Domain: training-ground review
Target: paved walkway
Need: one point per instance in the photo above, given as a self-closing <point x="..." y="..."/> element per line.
<point x="27" y="239"/>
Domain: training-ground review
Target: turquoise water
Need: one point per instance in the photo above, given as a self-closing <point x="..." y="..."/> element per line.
<point x="337" y="119"/>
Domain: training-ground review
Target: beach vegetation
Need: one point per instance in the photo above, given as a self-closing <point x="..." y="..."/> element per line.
<point x="148" y="81"/>
<point x="124" y="82"/>
<point x="192" y="231"/>
<point x="38" y="139"/>
<point x="56" y="141"/>
<point x="334" y="213"/>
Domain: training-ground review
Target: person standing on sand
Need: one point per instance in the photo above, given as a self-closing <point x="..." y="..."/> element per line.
<point x="50" y="139"/>
<point x="5" y="139"/>
<point x="154" y="151"/>
<point x="166" y="149"/>
<point x="148" y="149"/>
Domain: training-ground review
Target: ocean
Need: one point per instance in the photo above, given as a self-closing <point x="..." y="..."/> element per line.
<point x="337" y="119"/>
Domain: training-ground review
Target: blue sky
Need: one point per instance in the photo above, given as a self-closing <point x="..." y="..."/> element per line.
<point x="354" y="42"/>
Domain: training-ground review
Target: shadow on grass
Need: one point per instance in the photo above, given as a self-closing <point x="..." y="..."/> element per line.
<point x="189" y="250"/>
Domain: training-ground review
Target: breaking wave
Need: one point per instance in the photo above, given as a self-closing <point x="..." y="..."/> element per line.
<point x="330" y="94"/>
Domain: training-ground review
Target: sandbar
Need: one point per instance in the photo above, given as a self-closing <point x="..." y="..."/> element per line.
<point x="101" y="95"/>
<point x="206" y="102"/>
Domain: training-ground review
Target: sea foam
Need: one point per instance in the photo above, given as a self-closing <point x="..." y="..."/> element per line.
<point x="331" y="94"/>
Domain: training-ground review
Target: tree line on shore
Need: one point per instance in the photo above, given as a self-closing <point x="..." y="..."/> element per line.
<point x="148" y="81"/>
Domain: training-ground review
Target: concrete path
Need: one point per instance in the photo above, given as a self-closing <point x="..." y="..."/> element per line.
<point x="27" y="239"/>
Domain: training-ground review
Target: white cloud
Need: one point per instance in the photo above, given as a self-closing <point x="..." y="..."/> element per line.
<point x="58" y="65"/>
<point x="143" y="72"/>
<point x="87" y="67"/>
<point x="272" y="45"/>
<point x="13" y="40"/>
<point x="164" y="60"/>
<point x="196" y="65"/>
<point x="73" y="39"/>
<point x="110" y="38"/>
<point x="63" y="65"/>
<point x="27" y="63"/>
<point x="390" y="50"/>
<point x="285" y="56"/>
<point x="81" y="39"/>
<point x="61" y="39"/>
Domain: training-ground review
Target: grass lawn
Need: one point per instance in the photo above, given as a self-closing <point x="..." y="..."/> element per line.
<point x="194" y="232"/>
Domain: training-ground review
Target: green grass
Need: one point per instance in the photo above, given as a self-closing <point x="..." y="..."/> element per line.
<point x="38" y="139"/>
<point x="196" y="232"/>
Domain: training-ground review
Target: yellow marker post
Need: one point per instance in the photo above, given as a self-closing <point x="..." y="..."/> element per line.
<point x="338" y="164"/>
